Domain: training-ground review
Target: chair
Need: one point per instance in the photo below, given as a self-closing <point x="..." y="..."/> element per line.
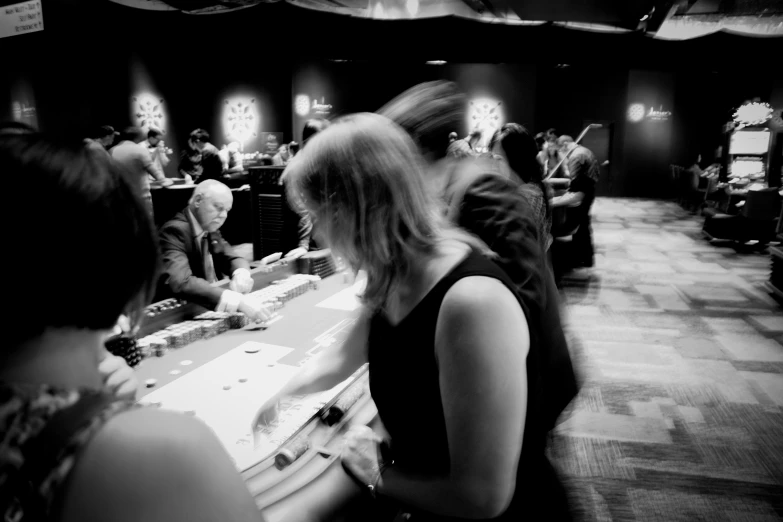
<point x="757" y="220"/>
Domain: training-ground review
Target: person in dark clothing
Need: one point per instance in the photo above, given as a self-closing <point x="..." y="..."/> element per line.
<point x="479" y="198"/>
<point x="585" y="171"/>
<point x="200" y="160"/>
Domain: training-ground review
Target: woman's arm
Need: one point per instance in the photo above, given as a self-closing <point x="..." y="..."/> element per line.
<point x="156" y="466"/>
<point x="482" y="341"/>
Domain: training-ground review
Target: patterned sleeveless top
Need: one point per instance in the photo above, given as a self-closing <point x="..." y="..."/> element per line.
<point x="24" y="413"/>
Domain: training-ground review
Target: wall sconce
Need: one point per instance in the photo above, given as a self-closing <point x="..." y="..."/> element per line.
<point x="241" y="120"/>
<point x="486" y="116"/>
<point x="636" y="112"/>
<point x="147" y="111"/>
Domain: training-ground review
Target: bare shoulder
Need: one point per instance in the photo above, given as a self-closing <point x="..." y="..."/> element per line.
<point x="481" y="294"/>
<point x="148" y="464"/>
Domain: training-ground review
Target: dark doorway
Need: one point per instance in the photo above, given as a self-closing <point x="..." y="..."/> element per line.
<point x="599" y="140"/>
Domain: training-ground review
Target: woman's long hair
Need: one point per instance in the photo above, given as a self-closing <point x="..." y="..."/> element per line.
<point x="362" y="181"/>
<point x="521" y="152"/>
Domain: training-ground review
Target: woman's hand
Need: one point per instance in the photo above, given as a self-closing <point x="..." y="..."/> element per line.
<point x="361" y="453"/>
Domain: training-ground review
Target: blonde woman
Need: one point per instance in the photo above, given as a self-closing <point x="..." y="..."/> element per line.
<point x="445" y="336"/>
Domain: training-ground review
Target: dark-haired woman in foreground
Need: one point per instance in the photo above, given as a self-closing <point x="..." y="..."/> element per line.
<point x="444" y="333"/>
<point x="113" y="461"/>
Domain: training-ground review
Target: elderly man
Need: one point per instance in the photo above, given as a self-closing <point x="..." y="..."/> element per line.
<point x="195" y="255"/>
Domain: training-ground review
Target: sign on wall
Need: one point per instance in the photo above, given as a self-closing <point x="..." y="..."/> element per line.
<point x="638" y="112"/>
<point x="270" y="142"/>
<point x="21" y="18"/>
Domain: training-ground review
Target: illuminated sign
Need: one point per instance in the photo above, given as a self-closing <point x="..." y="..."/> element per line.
<point x="22" y="18"/>
<point x="241" y="120"/>
<point x="147" y="111"/>
<point x="659" y="115"/>
<point x="637" y="112"/>
<point x="753" y="113"/>
<point x="303" y="106"/>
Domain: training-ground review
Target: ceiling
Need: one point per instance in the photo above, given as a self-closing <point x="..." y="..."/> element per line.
<point x="662" y="19"/>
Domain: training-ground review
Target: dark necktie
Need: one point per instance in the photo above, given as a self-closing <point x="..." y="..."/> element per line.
<point x="206" y="256"/>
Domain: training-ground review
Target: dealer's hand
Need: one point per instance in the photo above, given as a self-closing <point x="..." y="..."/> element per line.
<point x="241" y="281"/>
<point x="361" y="453"/>
<point x="118" y="377"/>
<point x="296" y="253"/>
<point x="257" y="312"/>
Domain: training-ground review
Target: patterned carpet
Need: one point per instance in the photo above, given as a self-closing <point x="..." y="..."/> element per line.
<point x="681" y="352"/>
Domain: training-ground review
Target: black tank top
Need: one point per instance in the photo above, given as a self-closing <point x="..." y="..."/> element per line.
<point x="404" y="383"/>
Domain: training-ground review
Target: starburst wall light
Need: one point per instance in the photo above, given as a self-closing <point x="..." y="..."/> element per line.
<point x="486" y="116"/>
<point x="241" y="120"/>
<point x="147" y="111"/>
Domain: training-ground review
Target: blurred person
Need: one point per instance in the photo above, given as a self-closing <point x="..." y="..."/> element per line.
<point x="71" y="451"/>
<point x="312" y="127"/>
<point x="541" y="143"/>
<point x="282" y="157"/>
<point x="231" y="158"/>
<point x="435" y="308"/>
<point x="135" y="157"/>
<point x="102" y="138"/>
<point x="293" y="150"/>
<point x="305" y="225"/>
<point x="584" y="172"/>
<point x="514" y="145"/>
<point x="466" y="147"/>
<point x="481" y="198"/>
<point x="195" y="255"/>
<point x="155" y="144"/>
<point x="200" y="161"/>
<point x="9" y="128"/>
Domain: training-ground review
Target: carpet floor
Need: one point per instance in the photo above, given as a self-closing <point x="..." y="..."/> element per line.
<point x="680" y="351"/>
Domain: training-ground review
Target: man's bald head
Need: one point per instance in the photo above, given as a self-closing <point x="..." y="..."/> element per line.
<point x="210" y="204"/>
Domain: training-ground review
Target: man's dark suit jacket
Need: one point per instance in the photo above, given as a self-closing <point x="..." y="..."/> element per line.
<point x="184" y="266"/>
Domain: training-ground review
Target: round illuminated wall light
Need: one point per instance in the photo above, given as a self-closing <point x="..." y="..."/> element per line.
<point x="636" y="112"/>
<point x="302" y="105"/>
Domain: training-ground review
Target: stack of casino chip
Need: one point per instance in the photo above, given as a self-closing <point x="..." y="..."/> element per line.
<point x="125" y="346"/>
<point x="152" y="345"/>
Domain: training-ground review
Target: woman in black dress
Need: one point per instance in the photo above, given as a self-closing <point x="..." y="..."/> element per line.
<point x="454" y="368"/>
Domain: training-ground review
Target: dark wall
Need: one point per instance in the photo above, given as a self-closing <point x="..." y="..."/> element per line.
<point x="647" y="143"/>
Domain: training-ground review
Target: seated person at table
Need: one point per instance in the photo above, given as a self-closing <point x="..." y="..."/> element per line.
<point x="195" y="255"/>
<point x="71" y="451"/>
<point x="446" y="337"/>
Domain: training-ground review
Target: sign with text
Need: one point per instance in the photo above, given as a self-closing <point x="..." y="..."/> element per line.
<point x="21" y="18"/>
<point x="270" y="141"/>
